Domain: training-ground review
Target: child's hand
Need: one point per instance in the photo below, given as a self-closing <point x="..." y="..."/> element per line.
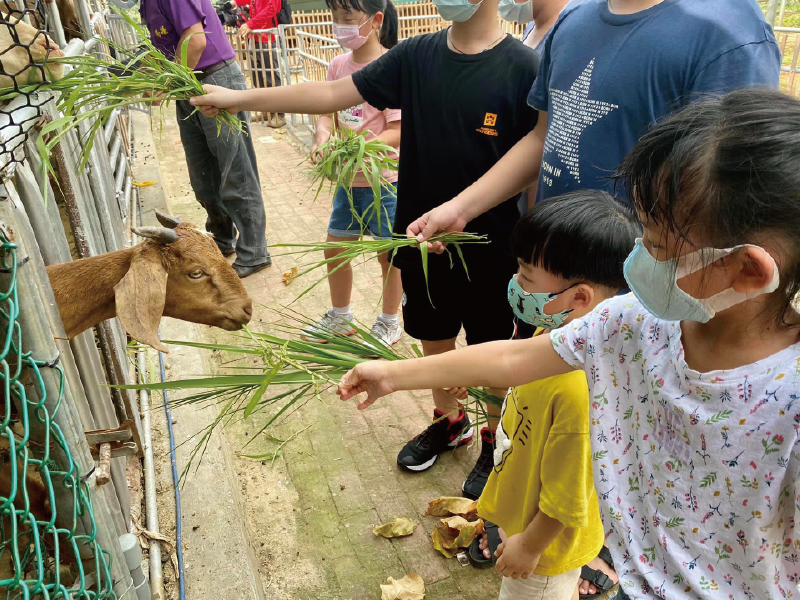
<point x="458" y="393"/>
<point x="446" y="217"/>
<point x="516" y="558"/>
<point x="322" y="137"/>
<point x="215" y="99"/>
<point x="371" y="377"/>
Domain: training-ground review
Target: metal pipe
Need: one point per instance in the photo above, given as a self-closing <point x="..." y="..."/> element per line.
<point x="114" y="152"/>
<point x="110" y="124"/>
<point x="24" y="10"/>
<point x="150" y="500"/>
<point x="772" y="8"/>
<point x="76" y="47"/>
<point x="783" y="10"/>
<point x="55" y="22"/>
<point x="133" y="558"/>
<point x="120" y="173"/>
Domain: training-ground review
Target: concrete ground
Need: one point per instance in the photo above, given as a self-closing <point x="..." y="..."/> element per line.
<point x="299" y="527"/>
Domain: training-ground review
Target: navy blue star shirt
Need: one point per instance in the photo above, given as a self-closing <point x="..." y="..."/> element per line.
<point x="605" y="78"/>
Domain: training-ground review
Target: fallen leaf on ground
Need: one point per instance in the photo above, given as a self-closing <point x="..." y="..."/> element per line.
<point x="289" y="275"/>
<point x="410" y="587"/>
<point x="147" y="183"/>
<point x="451" y="505"/>
<point x="454" y="533"/>
<point x="399" y="527"/>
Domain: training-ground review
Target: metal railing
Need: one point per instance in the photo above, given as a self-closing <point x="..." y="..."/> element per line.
<point x="789" y="43"/>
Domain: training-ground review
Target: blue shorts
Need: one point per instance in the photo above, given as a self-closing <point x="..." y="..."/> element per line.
<point x="343" y="223"/>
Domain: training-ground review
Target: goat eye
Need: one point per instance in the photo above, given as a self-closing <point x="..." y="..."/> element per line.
<point x="196" y="274"/>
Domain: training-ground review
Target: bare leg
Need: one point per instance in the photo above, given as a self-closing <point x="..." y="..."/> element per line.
<point x="392" y="286"/>
<point x="340" y="282"/>
<point x="443" y="401"/>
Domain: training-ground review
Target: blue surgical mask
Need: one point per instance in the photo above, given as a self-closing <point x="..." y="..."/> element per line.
<point x="456" y="10"/>
<point x="516" y="13"/>
<point x="655" y="284"/>
<point x="529" y="306"/>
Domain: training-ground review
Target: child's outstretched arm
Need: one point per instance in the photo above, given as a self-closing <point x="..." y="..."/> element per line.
<point x="313" y="98"/>
<point x="494" y="364"/>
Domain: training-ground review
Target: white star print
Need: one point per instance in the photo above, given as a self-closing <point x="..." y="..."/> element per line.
<point x="572" y="112"/>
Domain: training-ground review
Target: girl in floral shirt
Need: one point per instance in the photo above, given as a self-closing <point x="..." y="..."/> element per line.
<point x="694" y="379"/>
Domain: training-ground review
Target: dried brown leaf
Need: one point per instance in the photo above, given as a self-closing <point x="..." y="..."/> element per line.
<point x="289" y="275"/>
<point x="455" y="533"/>
<point x="450" y="505"/>
<point x="399" y="527"/>
<point x="410" y="587"/>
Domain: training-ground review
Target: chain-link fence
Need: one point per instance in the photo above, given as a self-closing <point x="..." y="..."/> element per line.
<point x="43" y="492"/>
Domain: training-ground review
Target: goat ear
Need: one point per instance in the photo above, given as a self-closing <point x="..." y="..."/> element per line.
<point x="140" y="297"/>
<point x="167" y="220"/>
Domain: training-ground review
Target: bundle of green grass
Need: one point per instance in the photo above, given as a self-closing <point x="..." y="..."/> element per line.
<point x="92" y="87"/>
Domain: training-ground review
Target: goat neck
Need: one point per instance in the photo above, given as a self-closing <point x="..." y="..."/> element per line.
<point x="84" y="289"/>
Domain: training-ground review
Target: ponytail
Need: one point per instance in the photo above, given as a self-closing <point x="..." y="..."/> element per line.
<point x="389" y="27"/>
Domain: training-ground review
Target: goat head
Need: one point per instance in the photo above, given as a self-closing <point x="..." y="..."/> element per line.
<point x="179" y="273"/>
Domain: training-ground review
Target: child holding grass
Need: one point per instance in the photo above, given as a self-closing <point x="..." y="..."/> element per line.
<point x="693" y="378"/>
<point x="570" y="251"/>
<point x="463" y="95"/>
<point x="368" y="28"/>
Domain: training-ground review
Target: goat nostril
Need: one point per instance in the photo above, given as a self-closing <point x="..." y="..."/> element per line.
<point x="248" y="310"/>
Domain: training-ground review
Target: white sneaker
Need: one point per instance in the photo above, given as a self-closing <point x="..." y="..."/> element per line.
<point x="388" y="333"/>
<point x="329" y="324"/>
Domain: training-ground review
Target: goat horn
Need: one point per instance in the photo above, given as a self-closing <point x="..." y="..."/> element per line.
<point x="159" y="234"/>
<point x="166" y="220"/>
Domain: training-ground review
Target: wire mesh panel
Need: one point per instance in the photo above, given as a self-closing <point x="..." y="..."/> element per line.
<point x="24" y="48"/>
<point x="39" y="556"/>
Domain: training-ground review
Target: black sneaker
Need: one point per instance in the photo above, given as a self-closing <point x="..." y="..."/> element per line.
<point x="476" y="481"/>
<point x="420" y="453"/>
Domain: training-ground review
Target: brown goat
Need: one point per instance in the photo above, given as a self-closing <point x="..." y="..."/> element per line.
<point x="179" y="272"/>
<point x="15" y="61"/>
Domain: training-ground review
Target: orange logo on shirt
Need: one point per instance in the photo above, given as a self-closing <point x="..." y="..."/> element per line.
<point x="489" y="121"/>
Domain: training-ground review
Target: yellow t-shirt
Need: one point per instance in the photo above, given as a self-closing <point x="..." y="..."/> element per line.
<point x="543" y="461"/>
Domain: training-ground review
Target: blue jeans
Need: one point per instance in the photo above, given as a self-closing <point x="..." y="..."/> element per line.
<point x="224" y="175"/>
<point x="378" y="224"/>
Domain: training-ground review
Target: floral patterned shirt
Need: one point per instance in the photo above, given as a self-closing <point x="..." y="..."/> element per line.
<point x="697" y="473"/>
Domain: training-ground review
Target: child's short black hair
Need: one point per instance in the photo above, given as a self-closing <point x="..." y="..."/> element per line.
<point x="579" y="236"/>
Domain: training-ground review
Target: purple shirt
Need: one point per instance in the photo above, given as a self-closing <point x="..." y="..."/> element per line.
<point x="168" y="19"/>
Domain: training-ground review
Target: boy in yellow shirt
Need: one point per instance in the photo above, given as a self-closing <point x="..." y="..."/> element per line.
<point x="540" y="493"/>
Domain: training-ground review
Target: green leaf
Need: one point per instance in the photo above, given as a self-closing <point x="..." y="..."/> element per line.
<point x="708" y="479"/>
<point x="423" y="248"/>
<point x="719" y="417"/>
<point x="674" y="522"/>
<point x="259" y="393"/>
<point x="600" y="455"/>
<point x="463" y="262"/>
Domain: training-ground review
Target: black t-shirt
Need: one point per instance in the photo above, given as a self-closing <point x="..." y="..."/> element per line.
<point x="461" y="114"/>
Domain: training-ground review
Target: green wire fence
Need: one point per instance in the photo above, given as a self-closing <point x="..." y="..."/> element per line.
<point x="40" y="556"/>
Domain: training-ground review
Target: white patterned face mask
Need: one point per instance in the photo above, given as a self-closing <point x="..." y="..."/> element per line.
<point x="655" y="283"/>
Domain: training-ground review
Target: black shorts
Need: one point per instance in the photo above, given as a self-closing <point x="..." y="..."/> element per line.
<point x="479" y="303"/>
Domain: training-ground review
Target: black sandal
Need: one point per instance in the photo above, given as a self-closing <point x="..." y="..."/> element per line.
<point x="475" y="554"/>
<point x="597" y="578"/>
